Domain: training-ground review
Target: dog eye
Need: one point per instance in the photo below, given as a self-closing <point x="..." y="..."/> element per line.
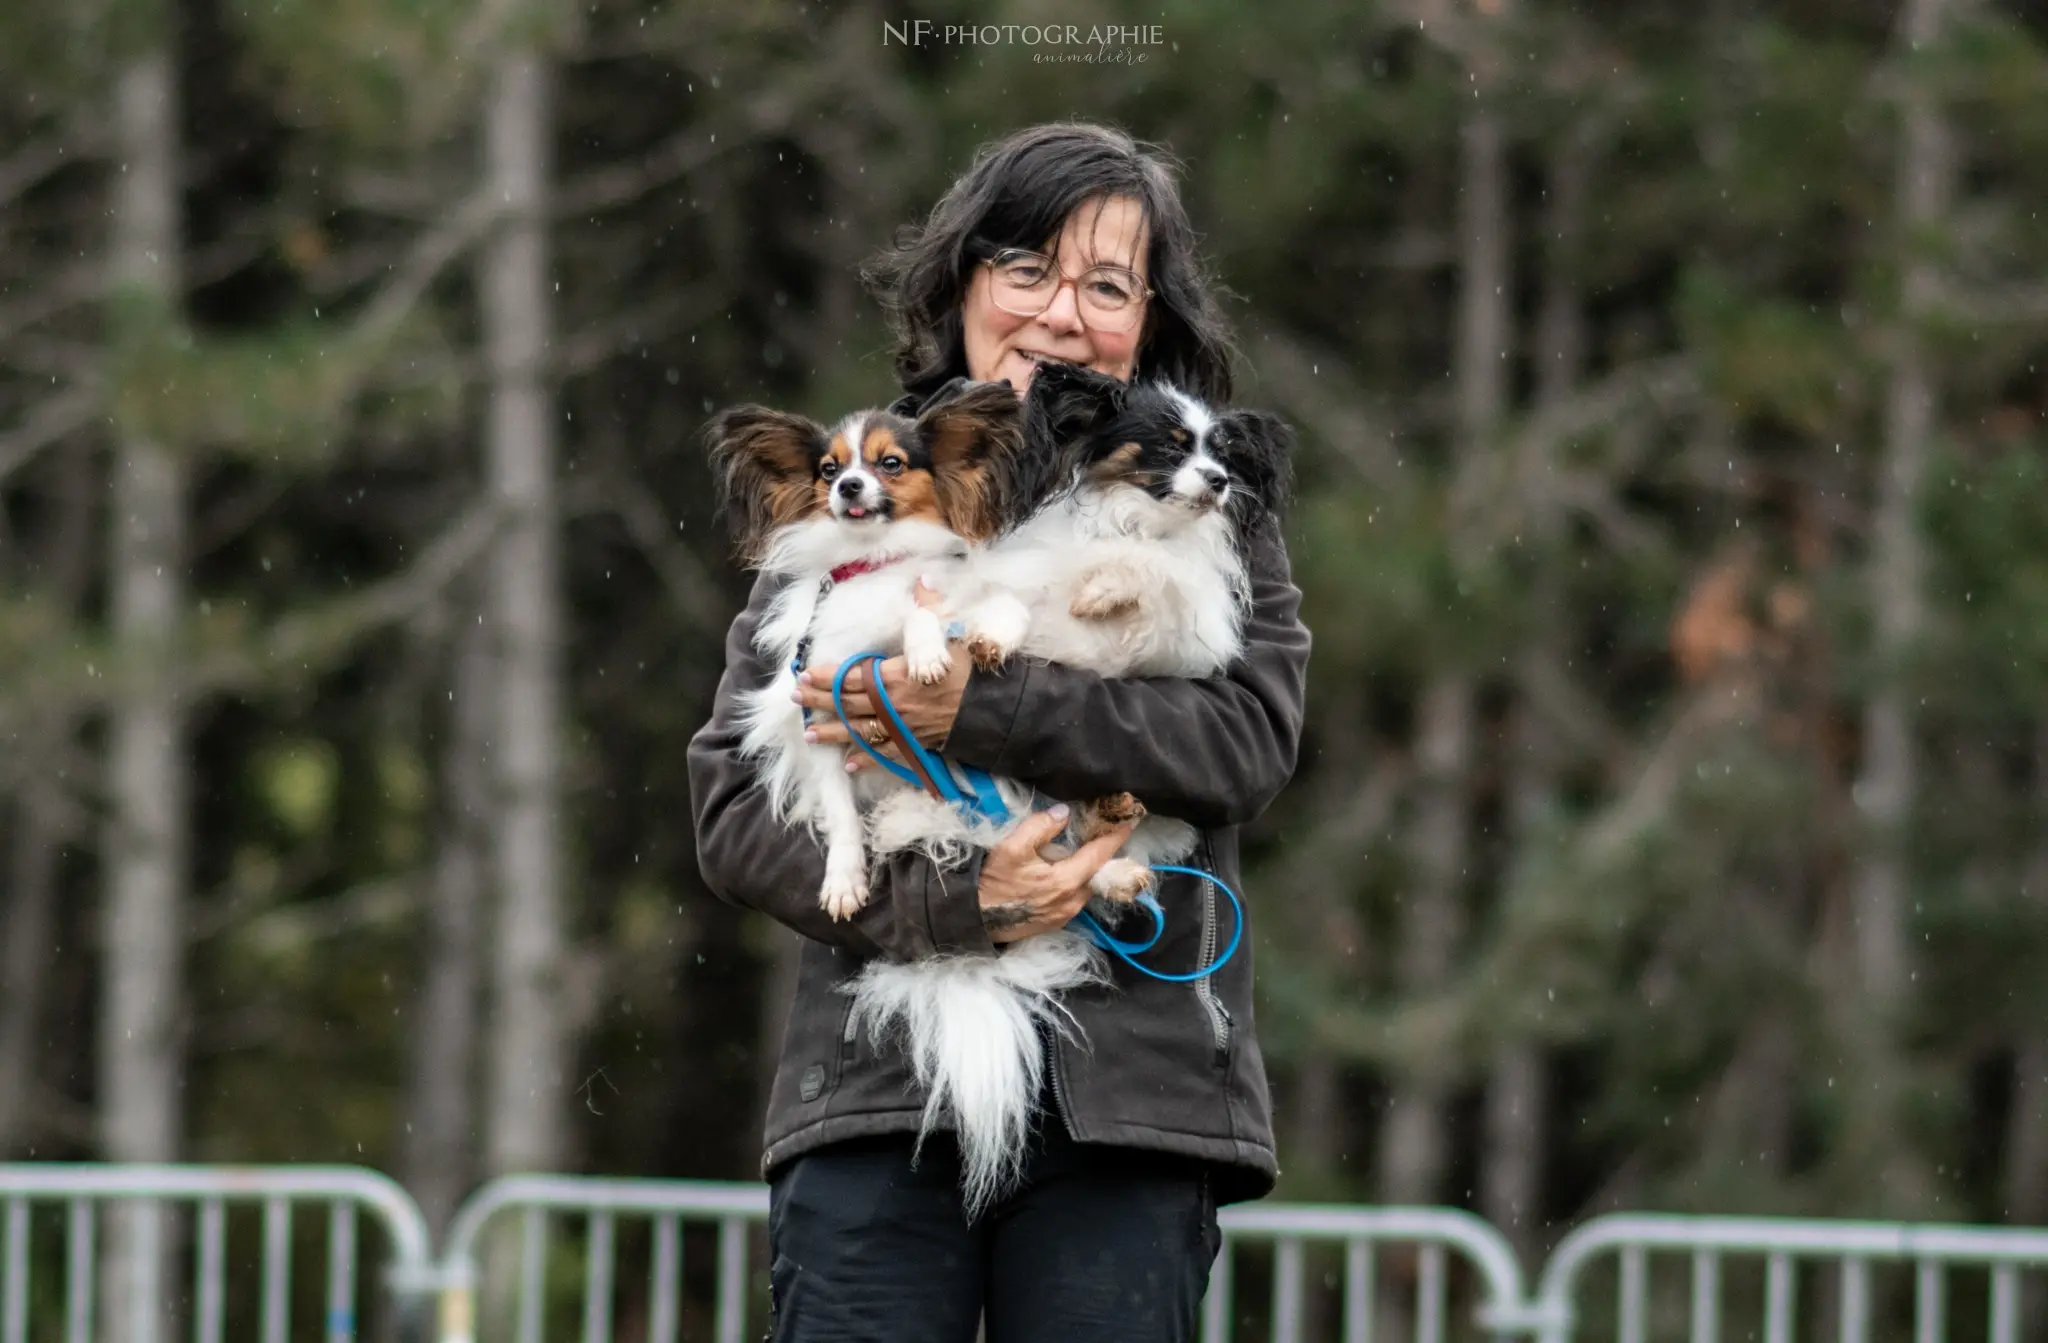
<point x="828" y="468"/>
<point x="892" y="466"/>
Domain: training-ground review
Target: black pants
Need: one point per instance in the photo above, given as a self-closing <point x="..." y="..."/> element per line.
<point x="1099" y="1243"/>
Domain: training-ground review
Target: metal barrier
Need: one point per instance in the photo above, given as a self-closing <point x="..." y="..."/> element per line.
<point x="600" y="1202"/>
<point x="1932" y="1250"/>
<point x="143" y="1190"/>
<point x="1466" y="1276"/>
<point x="1435" y="1232"/>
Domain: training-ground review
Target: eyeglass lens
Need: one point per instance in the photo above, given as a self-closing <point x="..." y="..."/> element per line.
<point x="1025" y="284"/>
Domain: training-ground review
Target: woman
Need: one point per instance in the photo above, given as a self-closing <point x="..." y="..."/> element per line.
<point x="1161" y="1111"/>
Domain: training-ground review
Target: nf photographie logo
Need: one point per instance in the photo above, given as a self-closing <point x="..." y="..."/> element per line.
<point x="1092" y="44"/>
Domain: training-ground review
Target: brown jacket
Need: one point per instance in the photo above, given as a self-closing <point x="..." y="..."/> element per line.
<point x="1168" y="1067"/>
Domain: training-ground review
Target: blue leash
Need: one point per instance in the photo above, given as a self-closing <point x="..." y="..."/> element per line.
<point x="977" y="795"/>
<point x="974" y="791"/>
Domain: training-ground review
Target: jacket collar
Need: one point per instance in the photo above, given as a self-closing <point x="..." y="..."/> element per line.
<point x="913" y="404"/>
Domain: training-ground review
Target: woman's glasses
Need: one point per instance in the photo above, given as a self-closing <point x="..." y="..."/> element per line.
<point x="1111" y="298"/>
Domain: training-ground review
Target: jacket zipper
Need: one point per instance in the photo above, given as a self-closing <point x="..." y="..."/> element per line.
<point x="1205" y="988"/>
<point x="1059" y="1084"/>
<point x="848" y="1040"/>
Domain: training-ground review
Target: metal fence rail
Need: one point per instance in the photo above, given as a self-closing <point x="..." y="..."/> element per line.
<point x="1439" y="1237"/>
<point x="1674" y="1276"/>
<point x="667" y="1204"/>
<point x="1782" y="1245"/>
<point x="1437" y="1234"/>
<point x="140" y="1194"/>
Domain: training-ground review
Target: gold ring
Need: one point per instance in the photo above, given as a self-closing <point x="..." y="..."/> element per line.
<point x="873" y="731"/>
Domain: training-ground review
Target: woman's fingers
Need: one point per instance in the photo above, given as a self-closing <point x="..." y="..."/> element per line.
<point x="1036" y="830"/>
<point x="927" y="711"/>
<point x="814" y="692"/>
<point x="858" y="760"/>
<point x="814" y="689"/>
<point x="1073" y="872"/>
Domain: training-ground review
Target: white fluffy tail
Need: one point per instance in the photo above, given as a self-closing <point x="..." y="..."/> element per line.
<point x="970" y="1025"/>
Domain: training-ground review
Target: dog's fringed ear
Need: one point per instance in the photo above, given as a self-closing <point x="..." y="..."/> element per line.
<point x="766" y="465"/>
<point x="1067" y="404"/>
<point x="980" y="462"/>
<point x="1258" y="448"/>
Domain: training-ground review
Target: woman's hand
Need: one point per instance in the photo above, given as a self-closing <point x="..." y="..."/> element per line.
<point x="927" y="710"/>
<point x="1023" y="894"/>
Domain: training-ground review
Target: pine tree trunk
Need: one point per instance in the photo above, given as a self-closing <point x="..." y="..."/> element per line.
<point x="1517" y="1092"/>
<point x="146" y="841"/>
<point x="1886" y="788"/>
<point x="440" y="1142"/>
<point x="529" y="1037"/>
<point x="1413" y="1146"/>
<point x="1413" y="1151"/>
<point x="1888" y="784"/>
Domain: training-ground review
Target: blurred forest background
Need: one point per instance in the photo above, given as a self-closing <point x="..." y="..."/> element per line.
<point x="1672" y="826"/>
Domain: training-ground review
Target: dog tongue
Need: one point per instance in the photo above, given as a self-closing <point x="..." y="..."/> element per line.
<point x="856" y="512"/>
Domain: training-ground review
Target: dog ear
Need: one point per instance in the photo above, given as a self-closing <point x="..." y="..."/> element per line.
<point x="1258" y="448"/>
<point x="980" y="463"/>
<point x="960" y="426"/>
<point x="766" y="466"/>
<point x="1068" y="403"/>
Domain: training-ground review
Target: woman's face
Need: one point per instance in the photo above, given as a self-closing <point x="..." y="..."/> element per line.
<point x="1002" y="345"/>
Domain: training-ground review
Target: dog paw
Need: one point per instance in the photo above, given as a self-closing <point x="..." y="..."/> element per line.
<point x="1113" y="810"/>
<point x="988" y="653"/>
<point x="928" y="666"/>
<point x="844" y="894"/>
<point x="1121" y="880"/>
<point x="1103" y="595"/>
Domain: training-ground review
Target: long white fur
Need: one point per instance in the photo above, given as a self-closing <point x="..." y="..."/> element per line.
<point x="970" y="1025"/>
<point x="877" y="610"/>
<point x="971" y="1028"/>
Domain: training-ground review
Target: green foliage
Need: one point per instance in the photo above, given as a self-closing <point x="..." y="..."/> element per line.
<point x="1384" y="589"/>
<point x="297" y="780"/>
<point x="1772" y="360"/>
<point x="386" y="75"/>
<point x="1987" y="514"/>
<point x="285" y="394"/>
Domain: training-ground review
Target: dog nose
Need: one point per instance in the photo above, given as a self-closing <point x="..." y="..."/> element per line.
<point x="850" y="486"/>
<point x="1214" y="478"/>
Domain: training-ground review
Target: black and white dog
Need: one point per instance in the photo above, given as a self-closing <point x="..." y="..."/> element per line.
<point x="1135" y="569"/>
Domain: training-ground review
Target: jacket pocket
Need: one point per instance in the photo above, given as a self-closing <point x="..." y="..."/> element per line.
<point x="814" y="1053"/>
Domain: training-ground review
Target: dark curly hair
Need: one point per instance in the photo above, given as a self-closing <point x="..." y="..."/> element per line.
<point x="1019" y="192"/>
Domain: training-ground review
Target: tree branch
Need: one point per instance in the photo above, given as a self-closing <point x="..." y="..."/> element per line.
<point x="54" y="419"/>
<point x="84" y="677"/>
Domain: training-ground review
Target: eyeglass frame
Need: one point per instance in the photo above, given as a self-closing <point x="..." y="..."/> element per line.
<point x="1001" y="254"/>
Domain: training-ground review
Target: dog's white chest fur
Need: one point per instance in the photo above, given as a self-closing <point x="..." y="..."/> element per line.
<point x="830" y="622"/>
<point x="1121" y="584"/>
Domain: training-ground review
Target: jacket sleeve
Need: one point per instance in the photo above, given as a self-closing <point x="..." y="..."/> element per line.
<point x="1212" y="752"/>
<point x="749" y="858"/>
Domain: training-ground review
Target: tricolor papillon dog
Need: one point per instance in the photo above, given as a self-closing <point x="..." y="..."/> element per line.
<point x="1136" y="567"/>
<point x="852" y="515"/>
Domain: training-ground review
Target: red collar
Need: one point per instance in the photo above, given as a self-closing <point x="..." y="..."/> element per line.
<point x="856" y="568"/>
